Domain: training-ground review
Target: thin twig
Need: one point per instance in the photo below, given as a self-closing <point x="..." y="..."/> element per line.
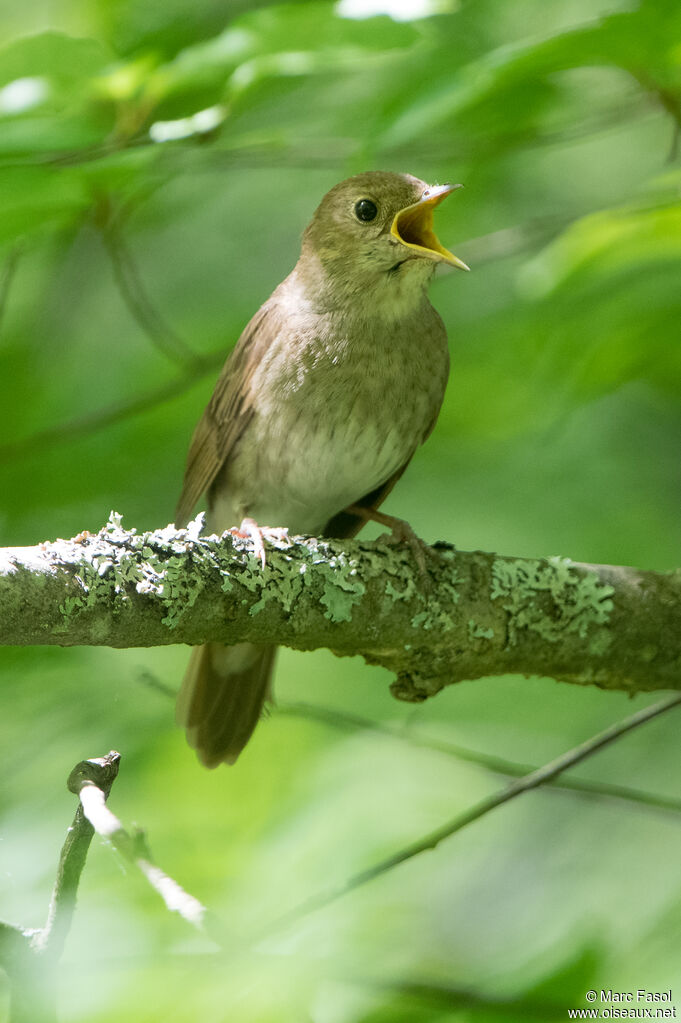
<point x="669" y="101"/>
<point x="151" y="681"/>
<point x="674" y="107"/>
<point x="12" y="944"/>
<point x="517" y="788"/>
<point x="88" y="780"/>
<point x="133" y="293"/>
<point x="30" y="957"/>
<point x="498" y="765"/>
<point x="85" y="425"/>
<point x="7" y="273"/>
<point x="446" y="996"/>
<point x="31" y="983"/>
<point x="326" y="153"/>
<point x="51" y="938"/>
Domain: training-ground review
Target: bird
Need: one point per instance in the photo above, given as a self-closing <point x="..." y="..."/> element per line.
<point x="334" y="383"/>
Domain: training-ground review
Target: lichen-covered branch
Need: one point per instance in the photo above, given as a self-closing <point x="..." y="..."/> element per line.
<point x="475" y="614"/>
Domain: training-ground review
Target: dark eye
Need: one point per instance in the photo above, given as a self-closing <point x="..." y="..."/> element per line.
<point x="365" y="210"/>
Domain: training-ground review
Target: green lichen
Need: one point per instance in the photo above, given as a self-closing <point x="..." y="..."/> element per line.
<point x="342" y="586"/>
<point x="110" y="561"/>
<point x="600" y="642"/>
<point x="476" y="631"/>
<point x="436" y="613"/>
<point x="281" y="582"/>
<point x="115" y="560"/>
<point x="283" y="578"/>
<point x="400" y="583"/>
<point x="403" y="584"/>
<point x="580" y="600"/>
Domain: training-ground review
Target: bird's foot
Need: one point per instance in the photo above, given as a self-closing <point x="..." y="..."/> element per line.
<point x="400" y="532"/>
<point x="250" y="530"/>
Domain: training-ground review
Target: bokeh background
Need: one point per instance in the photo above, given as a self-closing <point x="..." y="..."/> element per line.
<point x="158" y="163"/>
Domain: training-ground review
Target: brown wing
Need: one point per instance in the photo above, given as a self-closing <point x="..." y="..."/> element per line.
<point x="227" y="413"/>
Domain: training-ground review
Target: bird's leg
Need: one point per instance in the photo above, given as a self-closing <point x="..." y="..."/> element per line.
<point x="400" y="532"/>
<point x="250" y="530"/>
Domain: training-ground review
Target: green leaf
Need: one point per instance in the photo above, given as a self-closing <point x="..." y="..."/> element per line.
<point x="36" y="199"/>
<point x="607" y="244"/>
<point x="607" y="299"/>
<point x="293" y="40"/>
<point x="64" y="61"/>
<point x="47" y="99"/>
<point x="506" y="88"/>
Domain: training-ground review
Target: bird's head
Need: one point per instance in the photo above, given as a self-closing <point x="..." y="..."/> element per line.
<point x="378" y="226"/>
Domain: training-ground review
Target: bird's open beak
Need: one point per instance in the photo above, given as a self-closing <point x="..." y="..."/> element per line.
<point x="413" y="226"/>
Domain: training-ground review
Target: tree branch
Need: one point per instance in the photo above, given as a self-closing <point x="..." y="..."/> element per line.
<point x="478" y="614"/>
<point x="587" y="787"/>
<point x="133" y="293"/>
<point x="100" y="419"/>
<point x="541" y="776"/>
<point x="91" y="780"/>
<point x="31" y="957"/>
<point x="7" y="274"/>
<point x="50" y="939"/>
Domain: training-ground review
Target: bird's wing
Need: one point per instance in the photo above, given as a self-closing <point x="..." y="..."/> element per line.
<point x="228" y="411"/>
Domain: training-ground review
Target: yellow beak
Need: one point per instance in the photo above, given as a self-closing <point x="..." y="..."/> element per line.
<point x="413" y="226"/>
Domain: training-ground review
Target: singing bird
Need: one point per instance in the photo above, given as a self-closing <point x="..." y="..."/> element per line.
<point x="332" y="386"/>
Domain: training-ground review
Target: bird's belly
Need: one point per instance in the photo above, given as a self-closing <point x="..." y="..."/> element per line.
<point x="300" y="470"/>
<point x="324" y="436"/>
<point x="323" y="472"/>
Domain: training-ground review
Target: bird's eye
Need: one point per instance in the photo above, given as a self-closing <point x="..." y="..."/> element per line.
<point x="365" y="210"/>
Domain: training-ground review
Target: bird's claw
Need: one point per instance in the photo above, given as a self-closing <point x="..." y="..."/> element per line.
<point x="250" y="530"/>
<point x="400" y="532"/>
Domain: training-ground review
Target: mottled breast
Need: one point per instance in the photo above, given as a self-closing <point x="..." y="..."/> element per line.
<point x="340" y="404"/>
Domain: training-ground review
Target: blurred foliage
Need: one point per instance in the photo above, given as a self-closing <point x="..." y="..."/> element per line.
<point x="157" y="165"/>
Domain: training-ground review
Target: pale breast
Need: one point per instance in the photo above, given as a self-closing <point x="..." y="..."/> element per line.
<point x="336" y="414"/>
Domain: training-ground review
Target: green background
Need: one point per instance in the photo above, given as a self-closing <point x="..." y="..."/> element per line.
<point x="560" y="434"/>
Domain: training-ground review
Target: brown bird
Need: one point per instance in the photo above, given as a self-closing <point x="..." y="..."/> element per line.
<point x="332" y="386"/>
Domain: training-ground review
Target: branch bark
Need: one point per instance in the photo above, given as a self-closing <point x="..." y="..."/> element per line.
<point x="476" y="614"/>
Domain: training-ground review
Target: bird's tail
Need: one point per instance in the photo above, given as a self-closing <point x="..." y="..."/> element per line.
<point x="222" y="697"/>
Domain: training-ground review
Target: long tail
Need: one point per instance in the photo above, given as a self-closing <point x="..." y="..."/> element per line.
<point x="222" y="697"/>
